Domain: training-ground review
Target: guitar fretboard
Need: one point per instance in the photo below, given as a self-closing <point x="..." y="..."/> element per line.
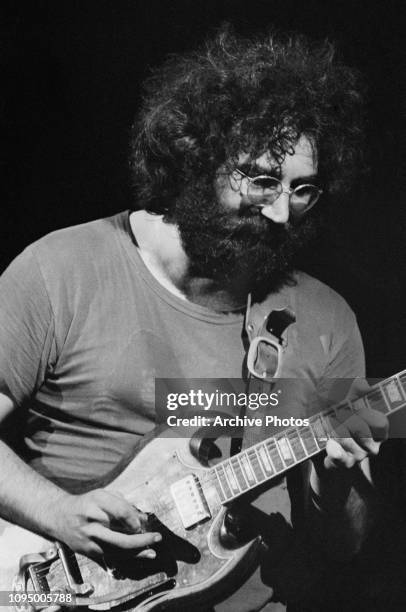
<point x="274" y="456"/>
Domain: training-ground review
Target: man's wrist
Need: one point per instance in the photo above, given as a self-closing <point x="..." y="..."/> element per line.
<point x="51" y="518"/>
<point x="329" y="489"/>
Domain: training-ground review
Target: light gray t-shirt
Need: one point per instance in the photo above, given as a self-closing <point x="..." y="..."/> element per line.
<point x="85" y="329"/>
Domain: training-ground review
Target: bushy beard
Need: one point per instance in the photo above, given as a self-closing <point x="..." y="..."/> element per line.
<point x="241" y="250"/>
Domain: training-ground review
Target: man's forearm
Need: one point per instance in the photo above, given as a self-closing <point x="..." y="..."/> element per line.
<point x="26" y="498"/>
<point x="83" y="522"/>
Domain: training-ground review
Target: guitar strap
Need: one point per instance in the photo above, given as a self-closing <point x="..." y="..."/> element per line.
<point x="269" y="326"/>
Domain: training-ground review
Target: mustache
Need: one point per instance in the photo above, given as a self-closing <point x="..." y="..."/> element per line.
<point x="249" y="225"/>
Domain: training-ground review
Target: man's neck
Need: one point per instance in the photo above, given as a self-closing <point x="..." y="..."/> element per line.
<point x="161" y="249"/>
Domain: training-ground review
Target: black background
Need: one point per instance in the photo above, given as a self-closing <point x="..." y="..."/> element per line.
<point x="70" y="87"/>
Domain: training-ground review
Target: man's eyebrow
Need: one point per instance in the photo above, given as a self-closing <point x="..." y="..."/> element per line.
<point x="310" y="179"/>
<point x="252" y="170"/>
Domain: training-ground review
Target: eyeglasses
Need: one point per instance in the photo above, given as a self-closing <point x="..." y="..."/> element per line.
<point x="263" y="190"/>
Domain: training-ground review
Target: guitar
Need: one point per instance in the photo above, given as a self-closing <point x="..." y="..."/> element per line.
<point x="201" y="557"/>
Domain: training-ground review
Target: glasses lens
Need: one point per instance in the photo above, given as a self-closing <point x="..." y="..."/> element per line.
<point x="305" y="196"/>
<point x="264" y="188"/>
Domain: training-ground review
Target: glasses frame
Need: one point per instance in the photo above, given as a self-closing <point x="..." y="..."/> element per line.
<point x="283" y="189"/>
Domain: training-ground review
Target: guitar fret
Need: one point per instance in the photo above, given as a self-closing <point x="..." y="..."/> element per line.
<point x="231" y="477"/>
<point x="358" y="404"/>
<point x="224" y="481"/>
<point x="402" y="380"/>
<point x="274" y="454"/>
<point x="285" y="450"/>
<point x="247" y="469"/>
<point x="243" y="472"/>
<point x="259" y="462"/>
<point x="376" y="401"/>
<point x="268" y="453"/>
<point x="308" y="440"/>
<point x="219" y="486"/>
<point x="385" y="399"/>
<point x="254" y="462"/>
<point x="299" y="451"/>
<point x="318" y="428"/>
<point x="393" y="393"/>
<point x="343" y="412"/>
<point x="329" y="420"/>
<point x="264" y="459"/>
<point x="238" y="473"/>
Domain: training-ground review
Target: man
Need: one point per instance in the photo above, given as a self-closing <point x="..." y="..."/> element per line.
<point x="235" y="153"/>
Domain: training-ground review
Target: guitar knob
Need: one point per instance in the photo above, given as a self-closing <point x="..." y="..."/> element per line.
<point x="235" y="530"/>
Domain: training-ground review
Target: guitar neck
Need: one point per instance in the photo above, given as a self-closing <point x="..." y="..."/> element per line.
<point x="275" y="455"/>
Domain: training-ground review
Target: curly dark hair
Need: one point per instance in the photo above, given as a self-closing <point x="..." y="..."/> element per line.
<point x="203" y="108"/>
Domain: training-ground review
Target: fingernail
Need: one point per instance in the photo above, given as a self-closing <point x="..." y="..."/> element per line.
<point x="151" y="554"/>
<point x="157" y="537"/>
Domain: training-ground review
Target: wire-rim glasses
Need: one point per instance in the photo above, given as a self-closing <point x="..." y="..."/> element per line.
<point x="264" y="189"/>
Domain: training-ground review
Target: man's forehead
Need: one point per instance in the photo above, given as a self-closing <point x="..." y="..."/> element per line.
<point x="303" y="153"/>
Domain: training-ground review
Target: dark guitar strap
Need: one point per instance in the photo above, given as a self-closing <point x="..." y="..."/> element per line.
<point x="271" y="325"/>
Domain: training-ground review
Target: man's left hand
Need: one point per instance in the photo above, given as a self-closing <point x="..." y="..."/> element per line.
<point x="358" y="436"/>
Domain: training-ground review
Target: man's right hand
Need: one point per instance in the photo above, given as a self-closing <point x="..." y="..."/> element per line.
<point x="100" y="523"/>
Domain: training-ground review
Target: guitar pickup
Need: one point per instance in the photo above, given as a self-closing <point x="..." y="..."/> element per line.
<point x="190" y="501"/>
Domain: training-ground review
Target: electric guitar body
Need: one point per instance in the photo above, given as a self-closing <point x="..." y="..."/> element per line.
<point x="198" y="561"/>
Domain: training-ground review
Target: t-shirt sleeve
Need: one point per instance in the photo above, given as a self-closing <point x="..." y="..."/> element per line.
<point x="26" y="328"/>
<point x="346" y="357"/>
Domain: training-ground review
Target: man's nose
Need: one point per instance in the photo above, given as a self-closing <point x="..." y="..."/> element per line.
<point x="278" y="211"/>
